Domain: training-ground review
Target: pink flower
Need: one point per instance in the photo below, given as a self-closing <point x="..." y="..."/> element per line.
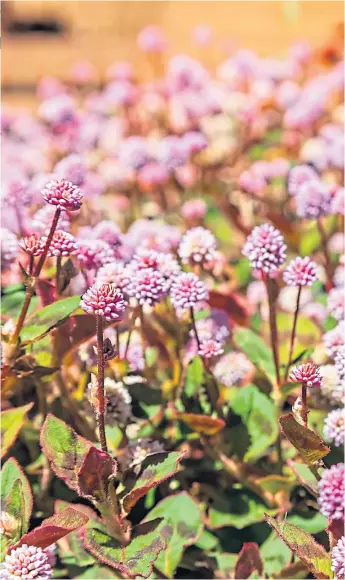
<point x="334" y="427"/>
<point x="338" y="202"/>
<point x="300" y="272"/>
<point x="120" y="71"/>
<point x="26" y="562"/>
<point x="334" y="339"/>
<point x="153" y="175"/>
<point x="104" y="300"/>
<point x="299" y="175"/>
<point x="9" y="247"/>
<point x="331" y="492"/>
<point x="335" y="305"/>
<point x="194" y="209"/>
<point x="338" y="559"/>
<point x="210" y="348"/>
<point x="265" y="248"/>
<point x="32" y="245"/>
<point x="93" y="254"/>
<point x="232" y="368"/>
<point x="152" y="39"/>
<point x="73" y="168"/>
<point x="115" y="273"/>
<point x="251" y="182"/>
<point x="62" y="244"/>
<point x="313" y="200"/>
<point x="308" y="374"/>
<point x="339" y="361"/>
<point x="63" y="194"/>
<point x="147" y="286"/>
<point x="187" y="291"/>
<point x="202" y="34"/>
<point x="197" y="246"/>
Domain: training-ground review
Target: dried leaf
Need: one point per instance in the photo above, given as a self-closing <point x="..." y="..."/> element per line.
<point x="202" y="423"/>
<point x="309" y="445"/>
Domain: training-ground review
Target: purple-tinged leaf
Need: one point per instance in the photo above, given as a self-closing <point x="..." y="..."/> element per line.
<point x="93" y="476"/>
<point x="249" y="561"/>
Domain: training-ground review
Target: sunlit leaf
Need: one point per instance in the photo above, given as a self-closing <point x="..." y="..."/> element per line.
<point x="256" y="350"/>
<point x="308" y="443"/>
<point x="195" y="376"/>
<point x="48" y="318"/>
<point x="202" y="423"/>
<point x="12" y="421"/>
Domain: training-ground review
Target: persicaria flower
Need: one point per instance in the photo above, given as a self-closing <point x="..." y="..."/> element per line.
<point x="308" y="374"/>
<point x="197" y="246"/>
<point x="334" y="427"/>
<point x="147" y="286"/>
<point x="339" y="361"/>
<point x="187" y="291"/>
<point x="299" y="175"/>
<point x="331" y="492"/>
<point x="194" y="209"/>
<point x="300" y="272"/>
<point x="26" y="562"/>
<point x="332" y="386"/>
<point x="210" y="348"/>
<point x="32" y="245"/>
<point x="265" y="248"/>
<point x="62" y="244"/>
<point x="232" y="368"/>
<point x="152" y="39"/>
<point x="335" y="305"/>
<point x="93" y="254"/>
<point x="104" y="300"/>
<point x="334" y="339"/>
<point x="338" y="559"/>
<point x="119" y="401"/>
<point x="9" y="247"/>
<point x="313" y="200"/>
<point x="116" y="273"/>
<point x="63" y="194"/>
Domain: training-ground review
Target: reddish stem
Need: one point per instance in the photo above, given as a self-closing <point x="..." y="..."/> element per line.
<point x="194" y="326"/>
<point x="304" y="410"/>
<point x="293" y="333"/>
<point x="100" y="383"/>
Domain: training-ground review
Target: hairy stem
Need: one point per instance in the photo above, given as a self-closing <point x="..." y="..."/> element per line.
<point x="194" y="326"/>
<point x="100" y="382"/>
<point x="58" y="274"/>
<point x="304" y="410"/>
<point x="273" y="328"/>
<point x="293" y="333"/>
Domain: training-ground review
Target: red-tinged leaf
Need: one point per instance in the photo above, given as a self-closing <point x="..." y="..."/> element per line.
<point x="71" y="547"/>
<point x="135" y="559"/>
<point x="202" y="423"/>
<point x="154" y="470"/>
<point x="234" y="304"/>
<point x="249" y="561"/>
<point x="336" y="527"/>
<point x="11" y="423"/>
<point x="308" y="443"/>
<point x="65" y="449"/>
<point x="93" y="476"/>
<point x="54" y="528"/>
<point x="46" y="291"/>
<point x="303" y="545"/>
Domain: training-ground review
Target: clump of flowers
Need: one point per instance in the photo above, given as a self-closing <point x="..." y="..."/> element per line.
<point x="197" y="246"/>
<point x="232" y="368"/>
<point x="118" y="410"/>
<point x="308" y="374"/>
<point x="62" y="244"/>
<point x="331" y="492"/>
<point x="266" y="250"/>
<point x="334" y="427"/>
<point x="63" y="194"/>
<point x="300" y="272"/>
<point x="338" y="559"/>
<point x="104" y="300"/>
<point x="26" y="562"/>
<point x="187" y="291"/>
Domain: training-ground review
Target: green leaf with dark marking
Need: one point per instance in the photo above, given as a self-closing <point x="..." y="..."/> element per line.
<point x="135" y="559"/>
<point x="238" y="509"/>
<point x="48" y="318"/>
<point x="10" y="473"/>
<point x="182" y="526"/>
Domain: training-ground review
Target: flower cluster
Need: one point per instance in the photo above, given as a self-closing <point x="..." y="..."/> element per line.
<point x="104" y="300"/>
<point x="308" y="374"/>
<point x="265" y="248"/>
<point x="331" y="492"/>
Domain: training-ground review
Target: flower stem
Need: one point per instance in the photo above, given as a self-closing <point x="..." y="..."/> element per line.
<point x="194" y="326"/>
<point x="31" y="286"/>
<point x="328" y="261"/>
<point x="100" y="382"/>
<point x="58" y="274"/>
<point x="293" y="333"/>
<point x="304" y="410"/>
<point x="273" y="328"/>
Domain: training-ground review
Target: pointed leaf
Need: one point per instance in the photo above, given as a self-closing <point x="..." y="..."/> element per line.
<point x="11" y="423"/>
<point x="65" y="449"/>
<point x="67" y="273"/>
<point x="249" y="560"/>
<point x="49" y="317"/>
<point x="54" y="528"/>
<point x="154" y="470"/>
<point x="202" y="423"/>
<point x="308" y="444"/>
<point x="71" y="548"/>
<point x="239" y="509"/>
<point x="94" y="473"/>
<point x="303" y="545"/>
<point x="181" y="527"/>
<point x="256" y="350"/>
<point x="14" y="506"/>
<point x="10" y="473"/>
<point x="137" y="558"/>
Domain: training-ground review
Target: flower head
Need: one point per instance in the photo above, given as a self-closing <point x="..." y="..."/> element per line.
<point x="147" y="286"/>
<point x="308" y="374"/>
<point x="93" y="254"/>
<point x="334" y="427"/>
<point x="339" y="361"/>
<point x="334" y="339"/>
<point x="116" y="273"/>
<point x="331" y="492"/>
<point x="332" y="386"/>
<point x="265" y="248"/>
<point x="26" y="562"/>
<point x="338" y="559"/>
<point x="335" y="304"/>
<point x="194" y="209"/>
<point x="62" y="244"/>
<point x="299" y="175"/>
<point x="119" y="401"/>
<point x="197" y="246"/>
<point x="187" y="291"/>
<point x="32" y="245"/>
<point x="232" y="368"/>
<point x="104" y="300"/>
<point x="63" y="194"/>
<point x="313" y="200"/>
<point x="151" y="39"/>
<point x="300" y="272"/>
<point x="210" y="348"/>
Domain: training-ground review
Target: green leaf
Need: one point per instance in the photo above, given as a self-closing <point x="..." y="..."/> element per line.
<point x="312" y="523"/>
<point x="65" y="449"/>
<point x="238" y="509"/>
<point x="12" y="302"/>
<point x="182" y="526"/>
<point x="225" y="564"/>
<point x="72" y="551"/>
<point x="99" y="572"/>
<point x="11" y="423"/>
<point x="308" y="444"/>
<point x="275" y="554"/>
<point x="153" y="470"/>
<point x="207" y="541"/>
<point x="135" y="559"/>
<point x="310" y="241"/>
<point x="258" y="414"/>
<point x="303" y="545"/>
<point x="256" y="350"/>
<point x="48" y="318"/>
<point x="15" y="506"/>
<point x="10" y="473"/>
<point x="195" y="376"/>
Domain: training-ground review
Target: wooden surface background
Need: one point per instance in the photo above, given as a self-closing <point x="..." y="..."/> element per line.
<point x="105" y="31"/>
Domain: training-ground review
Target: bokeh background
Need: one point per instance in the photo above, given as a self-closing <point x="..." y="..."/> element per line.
<point x="46" y="37"/>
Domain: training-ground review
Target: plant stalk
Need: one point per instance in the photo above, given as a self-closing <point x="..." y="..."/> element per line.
<point x="273" y="329"/>
<point x="304" y="410"/>
<point x="100" y="383"/>
<point x="194" y="326"/>
<point x="293" y="333"/>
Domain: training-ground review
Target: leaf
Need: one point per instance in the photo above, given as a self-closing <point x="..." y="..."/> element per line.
<point x="67" y="273"/>
<point x="93" y="476"/>
<point x="303" y="545"/>
<point x="14" y="506"/>
<point x="10" y="473"/>
<point x="153" y="470"/>
<point x="11" y="423"/>
<point x="225" y="564"/>
<point x="275" y="554"/>
<point x="137" y="558"/>
<point x="195" y="376"/>
<point x="312" y="522"/>
<point x="99" y="572"/>
<point x="256" y="350"/>
<point x="54" y="528"/>
<point x="308" y="444"/>
<point x="182" y="526"/>
<point x="48" y="318"/>
<point x="71" y="549"/>
<point x="310" y="241"/>
<point x="65" y="449"/>
<point x="249" y="560"/>
<point x="238" y="509"/>
<point x="201" y="423"/>
<point x="12" y="302"/>
<point x="276" y="483"/>
<point x="258" y="414"/>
